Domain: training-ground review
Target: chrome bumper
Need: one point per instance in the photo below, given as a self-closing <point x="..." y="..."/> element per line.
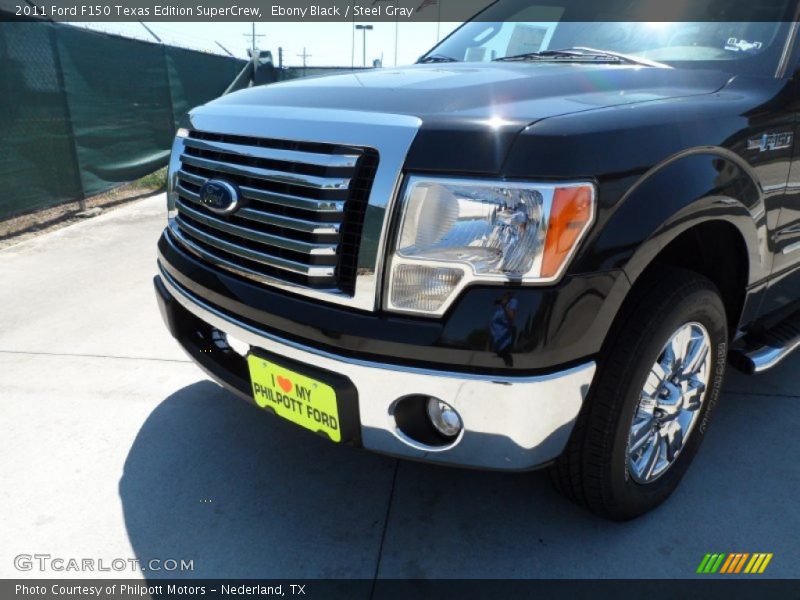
<point x="510" y="423"/>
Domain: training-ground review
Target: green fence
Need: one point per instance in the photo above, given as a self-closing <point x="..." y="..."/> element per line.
<point x="82" y="112"/>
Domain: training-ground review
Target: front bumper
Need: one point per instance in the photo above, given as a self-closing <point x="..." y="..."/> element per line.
<point x="510" y="423"/>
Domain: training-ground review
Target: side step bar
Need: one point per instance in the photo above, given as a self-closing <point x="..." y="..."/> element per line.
<point x="764" y="351"/>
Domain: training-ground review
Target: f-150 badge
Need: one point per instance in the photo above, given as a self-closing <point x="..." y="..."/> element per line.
<point x="771" y="141"/>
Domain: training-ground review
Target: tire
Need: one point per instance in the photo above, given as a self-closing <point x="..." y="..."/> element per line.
<point x="595" y="469"/>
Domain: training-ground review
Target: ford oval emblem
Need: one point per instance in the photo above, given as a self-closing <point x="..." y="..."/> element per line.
<point x="219" y="196"/>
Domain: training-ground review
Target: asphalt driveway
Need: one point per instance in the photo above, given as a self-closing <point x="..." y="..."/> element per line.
<point x="114" y="445"/>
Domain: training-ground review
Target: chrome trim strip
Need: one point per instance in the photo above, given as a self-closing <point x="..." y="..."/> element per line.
<point x="289" y="222"/>
<point x="269" y="218"/>
<point x="511" y="423"/>
<point x="322" y="206"/>
<point x="276" y="154"/>
<point x="390" y="135"/>
<point x="309" y="181"/>
<point x="178" y="227"/>
<point x="172" y="175"/>
<point x="786" y="55"/>
<point x="258" y="236"/>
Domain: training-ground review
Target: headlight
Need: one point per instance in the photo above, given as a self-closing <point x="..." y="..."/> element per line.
<point x="457" y="231"/>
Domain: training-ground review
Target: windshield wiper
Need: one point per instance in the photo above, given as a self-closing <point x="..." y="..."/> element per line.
<point x="584" y="54"/>
<point x="436" y="58"/>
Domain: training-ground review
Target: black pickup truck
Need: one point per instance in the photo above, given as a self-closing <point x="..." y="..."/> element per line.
<point x="538" y="247"/>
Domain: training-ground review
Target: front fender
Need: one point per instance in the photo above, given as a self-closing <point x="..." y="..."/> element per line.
<point x="702" y="185"/>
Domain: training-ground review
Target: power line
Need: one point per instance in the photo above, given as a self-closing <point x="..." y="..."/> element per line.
<point x="150" y="31"/>
<point x="224" y="48"/>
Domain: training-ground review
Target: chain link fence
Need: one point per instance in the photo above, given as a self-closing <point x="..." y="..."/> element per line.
<point x="82" y="112"/>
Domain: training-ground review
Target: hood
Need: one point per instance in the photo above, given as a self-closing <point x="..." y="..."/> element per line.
<point x="482" y="107"/>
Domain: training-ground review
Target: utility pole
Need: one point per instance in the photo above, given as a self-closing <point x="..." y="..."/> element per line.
<point x="364" y="29"/>
<point x="353" y="46"/>
<point x="253" y="37"/>
<point x="396" y="35"/>
<point x="304" y="56"/>
<point x="280" y="57"/>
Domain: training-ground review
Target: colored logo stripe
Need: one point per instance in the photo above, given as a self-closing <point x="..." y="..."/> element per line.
<point x="711" y="563"/>
<point x="758" y="563"/>
<point x="735" y="562"/>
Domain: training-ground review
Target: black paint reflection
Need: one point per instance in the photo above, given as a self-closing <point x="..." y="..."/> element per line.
<point x="503" y="329"/>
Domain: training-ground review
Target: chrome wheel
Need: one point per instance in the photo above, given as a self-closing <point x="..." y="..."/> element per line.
<point x="669" y="403"/>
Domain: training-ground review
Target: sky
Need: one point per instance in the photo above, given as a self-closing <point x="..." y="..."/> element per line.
<point x="326" y="44"/>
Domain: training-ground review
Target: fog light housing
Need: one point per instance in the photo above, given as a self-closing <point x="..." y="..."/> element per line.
<point x="444" y="418"/>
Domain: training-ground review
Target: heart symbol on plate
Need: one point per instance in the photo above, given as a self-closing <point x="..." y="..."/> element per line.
<point x="286" y="385"/>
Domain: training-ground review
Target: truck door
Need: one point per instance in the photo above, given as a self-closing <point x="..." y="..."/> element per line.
<point x="784" y="234"/>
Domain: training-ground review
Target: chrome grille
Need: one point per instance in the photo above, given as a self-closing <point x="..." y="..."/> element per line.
<point x="302" y="214"/>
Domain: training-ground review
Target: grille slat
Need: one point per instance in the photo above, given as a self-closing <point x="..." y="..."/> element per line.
<point x="253" y="255"/>
<point x="320" y="206"/>
<point x="299" y="179"/>
<point x="302" y="209"/>
<point x="192" y="178"/>
<point x="258" y="236"/>
<point x="276" y="154"/>
<point x="251" y="214"/>
<point x="286" y="200"/>
<point x="222" y="262"/>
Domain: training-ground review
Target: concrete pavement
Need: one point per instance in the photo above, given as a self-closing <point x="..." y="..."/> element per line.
<point x="114" y="445"/>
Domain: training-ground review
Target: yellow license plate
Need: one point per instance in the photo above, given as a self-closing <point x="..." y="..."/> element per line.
<point x="297" y="398"/>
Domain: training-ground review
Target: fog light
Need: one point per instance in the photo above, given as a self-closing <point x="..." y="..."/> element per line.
<point x="444" y="418"/>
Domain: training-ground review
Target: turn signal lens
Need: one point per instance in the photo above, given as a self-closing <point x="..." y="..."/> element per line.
<point x="423" y="288"/>
<point x="570" y="216"/>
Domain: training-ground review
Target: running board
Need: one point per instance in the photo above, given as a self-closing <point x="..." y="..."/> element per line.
<point x="763" y="352"/>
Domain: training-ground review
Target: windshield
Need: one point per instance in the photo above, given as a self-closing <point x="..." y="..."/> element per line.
<point x="518" y="27"/>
